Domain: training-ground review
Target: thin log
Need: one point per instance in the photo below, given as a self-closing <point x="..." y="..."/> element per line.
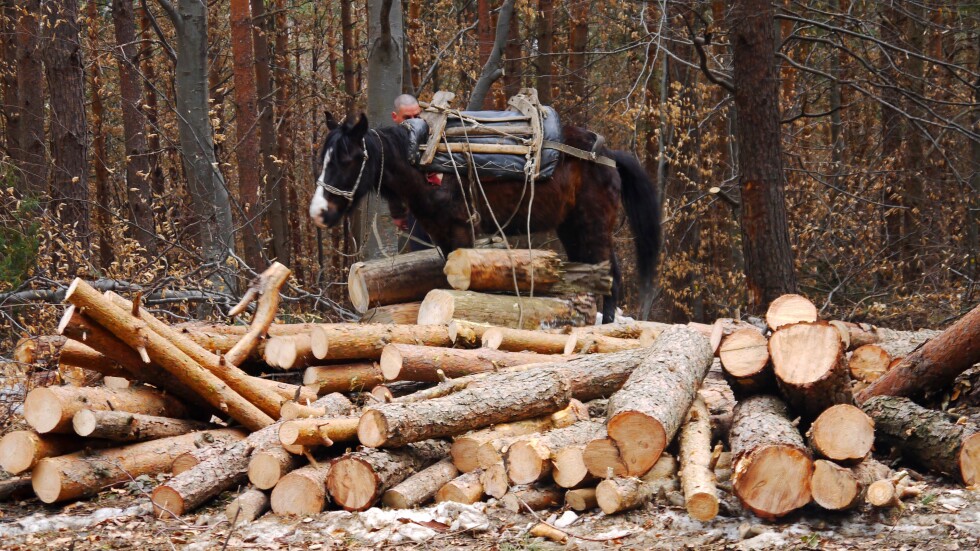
<point x="582" y="499"/>
<point x="838" y="488"/>
<point x="535" y="499"/>
<point x="351" y="377"/>
<point x="398" y="279"/>
<point x="51" y="409"/>
<point x="467" y="334"/>
<point x="14" y="488"/>
<point x="409" y="362"/>
<point x="441" y="307"/>
<point x="861" y="334"/>
<point x="121" y="426"/>
<point x="266" y="290"/>
<point x="646" y="413"/>
<point x="697" y="475"/>
<point x="406" y="313"/>
<point x="616" y="495"/>
<point x="523" y="340"/>
<point x="810" y="366"/>
<point x="494" y="480"/>
<point x="302" y="492"/>
<point x="502" y="270"/>
<point x="318" y="431"/>
<point x="247" y="507"/>
<point x="421" y="487"/>
<point x="600" y="344"/>
<point x="343" y="341"/>
<point x="207" y="449"/>
<point x="530" y="459"/>
<point x="465" y="488"/>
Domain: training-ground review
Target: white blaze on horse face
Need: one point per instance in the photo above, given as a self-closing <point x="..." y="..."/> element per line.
<point x="319" y="203"/>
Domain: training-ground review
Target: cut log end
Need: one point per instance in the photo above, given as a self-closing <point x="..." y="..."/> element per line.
<point x="458" y="270"/>
<point x="167" y="502"/>
<point x="581" y="500"/>
<point x="744" y="353"/>
<point x="789" y="309"/>
<point x="804" y="353"/>
<point x="84" y="422"/>
<point x="970" y="459"/>
<point x="882" y="493"/>
<point x="492" y="338"/>
<point x="372" y="429"/>
<point x="843" y="433"/>
<point x="868" y="363"/>
<point x="298" y="495"/>
<point x="437" y="308"/>
<point x="786" y="465"/>
<point x="17" y="451"/>
<point x="524" y="464"/>
<point x="391" y="363"/>
<point x="833" y="487"/>
<point x="464" y="454"/>
<point x="42" y="410"/>
<point x="494" y="480"/>
<point x="603" y="460"/>
<point x="569" y="467"/>
<point x="702" y="506"/>
<point x="640" y="439"/>
<point x="264" y="471"/>
<point x="357" y="289"/>
<point x="352" y="484"/>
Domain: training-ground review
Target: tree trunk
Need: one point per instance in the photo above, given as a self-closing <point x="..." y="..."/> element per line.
<point x="354" y="377"/>
<point x="543" y="65"/>
<point x="771" y="465"/>
<point x="766" y="247"/>
<point x="842" y="433"/>
<point x="697" y="475"/>
<point x="138" y="166"/>
<point x="646" y="413"/>
<point x="51" y="409"/>
<point x="838" y="488"/>
<point x="153" y="138"/>
<point x="247" y="150"/>
<point x="20" y="450"/>
<point x="30" y="155"/>
<point x="302" y="492"/>
<point x="928" y="437"/>
<point x="421" y="487"/>
<point x="285" y="89"/>
<point x="346" y="341"/>
<point x="616" y="495"/>
<point x="121" y="426"/>
<point x="84" y="473"/>
<point x="64" y="72"/>
<point x="935" y="365"/>
<point x="247" y="507"/>
<point x="401" y="278"/>
<point x="504" y="398"/>
<point x="484" y="39"/>
<point x="493" y="68"/>
<point x="578" y="79"/>
<point x="206" y="184"/>
<point x="409" y="362"/>
<point x="810" y="366"/>
<point x="8" y="79"/>
<point x="530" y="459"/>
<point x="99" y="151"/>
<point x="347" y="33"/>
<point x="358" y="480"/>
<point x="440" y="307"/>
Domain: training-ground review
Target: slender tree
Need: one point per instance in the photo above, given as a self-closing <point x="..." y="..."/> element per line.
<point x="30" y="155"/>
<point x="100" y="154"/>
<point x="543" y="60"/>
<point x="578" y="43"/>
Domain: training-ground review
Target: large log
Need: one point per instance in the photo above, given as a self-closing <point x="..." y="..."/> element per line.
<point x="400" y="278"/>
<point x="84" y="473"/>
<point x="249" y="388"/>
<point x="503" y="398"/>
<point x="810" y="366"/>
<point x="302" y="492"/>
<point x="697" y="475"/>
<point x="352" y="377"/>
<point x="530" y="459"/>
<point x="838" y="488"/>
<point x="441" y="307"/>
<point x="51" y="409"/>
<point x="842" y="433"/>
<point x="644" y="415"/>
<point x="409" y="362"/>
<point x="121" y="426"/>
<point x="927" y="437"/>
<point x="421" y="487"/>
<point x="771" y="465"/>
<point x="20" y="450"/>
<point x="521" y="340"/>
<point x="402" y="314"/>
<point x="744" y="356"/>
<point x="789" y="309"/>
<point x="465" y="488"/>
<point x="136" y="333"/>
<point x="344" y="341"/>
<point x="265" y="291"/>
<point x="616" y="495"/>
<point x="465" y="448"/>
<point x="935" y="365"/>
<point x="358" y="479"/>
<point x="247" y="507"/>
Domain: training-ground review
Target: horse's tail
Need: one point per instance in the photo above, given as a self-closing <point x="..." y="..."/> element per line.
<point x="642" y="205"/>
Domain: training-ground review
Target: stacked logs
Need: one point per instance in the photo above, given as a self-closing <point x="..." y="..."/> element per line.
<point x="403" y="414"/>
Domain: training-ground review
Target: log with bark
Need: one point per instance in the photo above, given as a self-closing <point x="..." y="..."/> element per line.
<point x="136" y="333"/>
<point x="502" y="398"/>
<point x="900" y="343"/>
<point x="465" y="449"/>
<point x="352" y="377"/>
<point x="646" y="413"/>
<point x="601" y="344"/>
<point x="402" y="314"/>
<point x="810" y="366"/>
<point x="421" y="487"/>
<point x="409" y="362"/>
<point x="521" y="340"/>
<point x="265" y="292"/>
<point x="344" y="341"/>
<point x="302" y="492"/>
<point x="523" y="271"/>
<point x="927" y="437"/>
<point x="85" y="473"/>
<point x="530" y="459"/>
<point x="248" y="506"/>
<point x="397" y="279"/>
<point x="789" y="309"/>
<point x="935" y="365"/>
<point x="889" y="492"/>
<point x="720" y="399"/>
<point x="744" y="356"/>
<point x="842" y="433"/>
<point x="318" y="431"/>
<point x="441" y="307"/>
<point x="696" y="472"/>
<point x="465" y="488"/>
<point x="582" y="499"/>
<point x="535" y="499"/>
<point x="837" y="488"/>
<point x="56" y="350"/>
<point x="289" y="352"/>
<point x="51" y="409"/>
<point x="121" y="426"/>
<point x="206" y="449"/>
<point x="20" y="450"/>
<point x="616" y="495"/>
<point x="358" y="479"/>
<point x="771" y="465"/>
<point x="14" y="488"/>
<point x="467" y="334"/>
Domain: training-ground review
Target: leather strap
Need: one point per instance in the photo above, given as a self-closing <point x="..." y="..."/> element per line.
<point x="579" y="153"/>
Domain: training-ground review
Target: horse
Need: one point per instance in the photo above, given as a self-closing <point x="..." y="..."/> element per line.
<point x="580" y="200"/>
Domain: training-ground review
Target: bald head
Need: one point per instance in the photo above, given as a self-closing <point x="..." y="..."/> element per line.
<point x="406" y="107"/>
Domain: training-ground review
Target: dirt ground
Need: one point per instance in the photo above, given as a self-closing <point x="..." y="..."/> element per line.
<point x="944" y="517"/>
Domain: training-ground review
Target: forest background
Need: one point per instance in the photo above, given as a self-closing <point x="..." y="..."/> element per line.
<point x="827" y="147"/>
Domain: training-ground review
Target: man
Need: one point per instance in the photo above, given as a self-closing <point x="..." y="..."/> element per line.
<point x="407" y="107"/>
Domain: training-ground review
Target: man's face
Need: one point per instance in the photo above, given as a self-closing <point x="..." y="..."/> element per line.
<point x="406" y="112"/>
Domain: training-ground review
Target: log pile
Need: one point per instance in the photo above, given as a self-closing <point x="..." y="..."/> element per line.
<point x="471" y="408"/>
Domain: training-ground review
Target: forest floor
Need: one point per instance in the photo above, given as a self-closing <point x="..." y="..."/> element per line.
<point x="944" y="517"/>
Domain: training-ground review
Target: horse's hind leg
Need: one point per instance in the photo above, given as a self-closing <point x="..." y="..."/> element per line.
<point x="610" y="301"/>
<point x="584" y="244"/>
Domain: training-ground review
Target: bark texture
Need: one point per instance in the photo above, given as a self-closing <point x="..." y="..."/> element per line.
<point x="401" y="278"/>
<point x="357" y="480"/>
<point x="440" y="307"/>
<point x="420" y="488"/>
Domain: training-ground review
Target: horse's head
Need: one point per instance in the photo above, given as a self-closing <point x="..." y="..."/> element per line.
<point x="339" y="169"/>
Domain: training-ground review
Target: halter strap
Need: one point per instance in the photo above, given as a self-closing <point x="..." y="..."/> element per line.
<point x="349" y="195"/>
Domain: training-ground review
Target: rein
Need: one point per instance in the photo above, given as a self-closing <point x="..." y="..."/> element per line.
<point x="349" y="195"/>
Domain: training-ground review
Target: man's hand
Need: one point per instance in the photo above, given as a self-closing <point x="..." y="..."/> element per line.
<point x="401" y="224"/>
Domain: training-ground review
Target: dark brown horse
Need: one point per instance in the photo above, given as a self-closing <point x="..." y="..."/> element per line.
<point x="580" y="200"/>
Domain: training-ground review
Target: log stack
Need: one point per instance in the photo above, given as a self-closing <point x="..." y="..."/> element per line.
<point x="469" y="406"/>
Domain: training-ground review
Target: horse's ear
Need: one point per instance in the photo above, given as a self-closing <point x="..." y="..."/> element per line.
<point x="360" y="129"/>
<point x="331" y="123"/>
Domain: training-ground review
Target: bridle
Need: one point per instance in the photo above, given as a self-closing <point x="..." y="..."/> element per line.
<point x="349" y="195"/>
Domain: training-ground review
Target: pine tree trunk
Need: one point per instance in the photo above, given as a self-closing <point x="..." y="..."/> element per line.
<point x="30" y="155"/>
